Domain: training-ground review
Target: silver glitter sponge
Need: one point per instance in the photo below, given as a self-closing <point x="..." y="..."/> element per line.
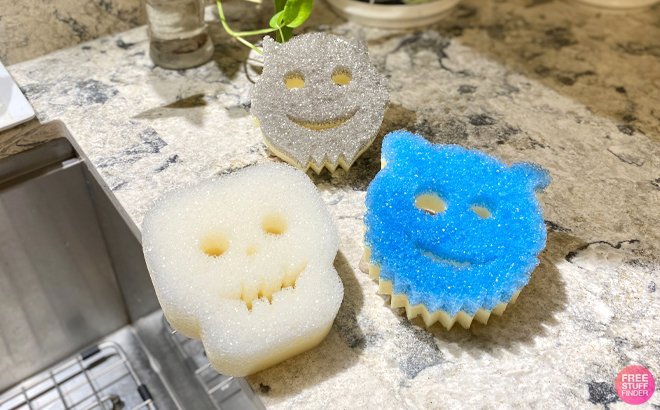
<point x="319" y="100"/>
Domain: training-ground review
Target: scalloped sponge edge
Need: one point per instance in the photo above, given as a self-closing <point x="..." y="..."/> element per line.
<point x="430" y="318"/>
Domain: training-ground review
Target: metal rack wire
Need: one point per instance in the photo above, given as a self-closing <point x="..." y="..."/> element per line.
<point x="100" y="377"/>
<point x="220" y="388"/>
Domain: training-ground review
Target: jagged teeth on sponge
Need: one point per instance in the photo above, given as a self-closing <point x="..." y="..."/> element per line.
<point x="452" y="234"/>
<point x="319" y="100"/>
<point x="244" y="262"/>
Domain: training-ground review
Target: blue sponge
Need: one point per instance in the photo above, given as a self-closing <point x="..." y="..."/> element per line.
<point x="451" y="233"/>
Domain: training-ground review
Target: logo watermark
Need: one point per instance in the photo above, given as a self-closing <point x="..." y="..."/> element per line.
<point x="635" y="385"/>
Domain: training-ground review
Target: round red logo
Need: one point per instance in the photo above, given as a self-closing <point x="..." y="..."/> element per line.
<point x="635" y="385"/>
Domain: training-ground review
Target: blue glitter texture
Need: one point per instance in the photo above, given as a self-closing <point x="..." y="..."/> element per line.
<point x="454" y="260"/>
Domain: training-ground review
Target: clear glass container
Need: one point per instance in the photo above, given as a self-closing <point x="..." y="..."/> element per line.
<point x="178" y="36"/>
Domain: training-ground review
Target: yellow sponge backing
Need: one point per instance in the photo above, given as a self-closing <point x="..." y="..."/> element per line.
<point x="412" y="311"/>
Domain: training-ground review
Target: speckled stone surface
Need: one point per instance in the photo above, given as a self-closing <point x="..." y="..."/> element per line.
<point x="31" y="28"/>
<point x="592" y="306"/>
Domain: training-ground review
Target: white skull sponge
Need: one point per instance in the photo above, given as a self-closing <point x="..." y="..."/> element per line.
<point x="244" y="263"/>
<point x="320" y="102"/>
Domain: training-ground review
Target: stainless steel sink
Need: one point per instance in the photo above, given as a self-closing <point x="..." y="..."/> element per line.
<point x="80" y="325"/>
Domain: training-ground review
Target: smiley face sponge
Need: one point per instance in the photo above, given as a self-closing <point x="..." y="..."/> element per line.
<point x="320" y="102"/>
<point x="244" y="263"/>
<point x="452" y="234"/>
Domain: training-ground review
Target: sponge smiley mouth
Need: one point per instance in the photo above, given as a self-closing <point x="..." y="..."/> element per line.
<point x="324" y="124"/>
<point x="451" y="258"/>
<point x="265" y="290"/>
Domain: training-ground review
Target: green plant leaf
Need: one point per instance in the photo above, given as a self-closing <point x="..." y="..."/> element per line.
<point x="287" y="32"/>
<point x="276" y="20"/>
<point x="290" y="14"/>
<point x="296" y="12"/>
<point x="279" y="5"/>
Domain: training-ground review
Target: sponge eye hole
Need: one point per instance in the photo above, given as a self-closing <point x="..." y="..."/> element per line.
<point x="341" y="76"/>
<point x="294" y="80"/>
<point x="482" y="211"/>
<point x="430" y="203"/>
<point x="275" y="223"/>
<point x="214" y="244"/>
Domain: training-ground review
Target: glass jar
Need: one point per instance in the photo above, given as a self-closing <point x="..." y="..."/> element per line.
<point x="178" y="36"/>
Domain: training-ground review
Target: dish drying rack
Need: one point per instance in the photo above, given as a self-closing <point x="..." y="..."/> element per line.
<point x="93" y="379"/>
<point x="105" y="377"/>
<point x="220" y="388"/>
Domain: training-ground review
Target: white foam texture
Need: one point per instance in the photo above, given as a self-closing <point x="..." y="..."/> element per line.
<point x="245" y="264"/>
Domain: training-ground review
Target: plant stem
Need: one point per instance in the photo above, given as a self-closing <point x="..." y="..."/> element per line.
<point x="239" y="36"/>
<point x="254" y="32"/>
<point x="247" y="43"/>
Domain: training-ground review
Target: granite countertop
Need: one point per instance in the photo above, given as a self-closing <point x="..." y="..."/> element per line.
<point x="534" y="80"/>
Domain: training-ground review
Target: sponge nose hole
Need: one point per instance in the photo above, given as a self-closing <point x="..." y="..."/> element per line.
<point x="253" y="249"/>
<point x="275" y="223"/>
<point x="215" y="244"/>
<point x="482" y="211"/>
<point x="430" y="203"/>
